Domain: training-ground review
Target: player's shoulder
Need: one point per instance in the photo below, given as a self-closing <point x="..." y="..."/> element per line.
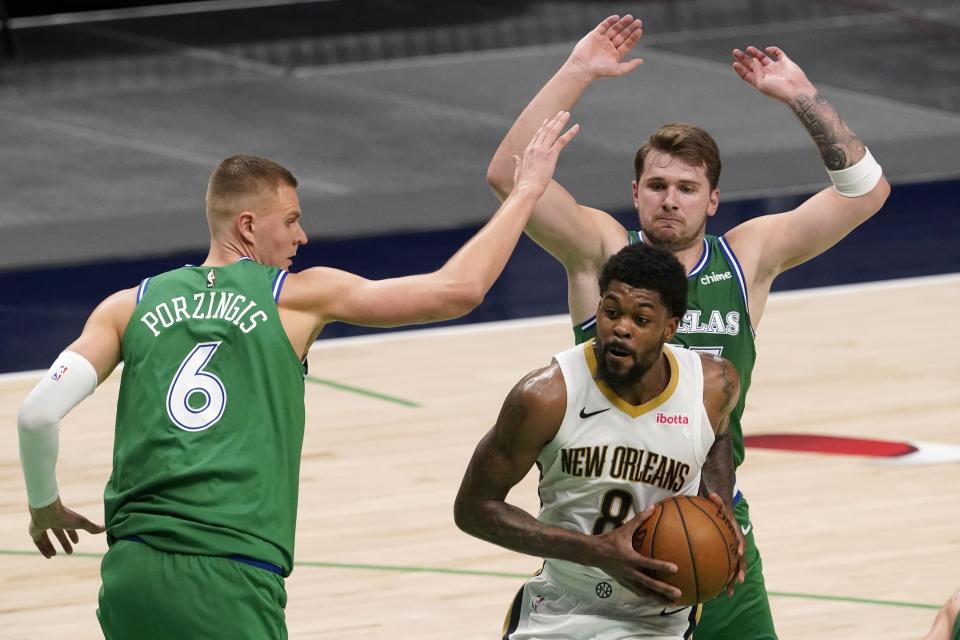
<point x="311" y="286"/>
<point x="715" y="366"/>
<point x="542" y="388"/>
<point x="116" y="309"/>
<point x="720" y="378"/>
<point x="120" y="301"/>
<point x="539" y="400"/>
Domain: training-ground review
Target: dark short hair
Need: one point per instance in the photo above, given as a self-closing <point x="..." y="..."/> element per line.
<point x="687" y="142"/>
<point x="644" y="266"/>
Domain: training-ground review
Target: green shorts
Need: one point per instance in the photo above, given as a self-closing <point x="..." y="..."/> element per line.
<point x="154" y="595"/>
<point x="745" y="616"/>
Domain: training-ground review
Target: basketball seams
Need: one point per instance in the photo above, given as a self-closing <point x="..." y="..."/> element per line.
<point x="686" y="535"/>
<point x="719" y="530"/>
<point x="658" y="512"/>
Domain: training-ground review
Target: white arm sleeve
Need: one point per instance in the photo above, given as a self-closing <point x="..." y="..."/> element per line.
<point x="71" y="379"/>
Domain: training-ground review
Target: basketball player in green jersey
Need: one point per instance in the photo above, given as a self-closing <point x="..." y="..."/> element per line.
<point x="677" y="171"/>
<point x="201" y="503"/>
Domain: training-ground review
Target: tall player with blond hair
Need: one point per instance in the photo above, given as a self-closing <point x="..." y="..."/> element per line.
<point x="201" y="503"/>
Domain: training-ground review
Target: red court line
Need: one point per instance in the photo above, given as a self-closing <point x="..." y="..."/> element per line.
<point x="836" y="445"/>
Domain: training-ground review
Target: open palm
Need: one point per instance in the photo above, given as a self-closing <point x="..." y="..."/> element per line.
<point x="771" y="72"/>
<point x="601" y="52"/>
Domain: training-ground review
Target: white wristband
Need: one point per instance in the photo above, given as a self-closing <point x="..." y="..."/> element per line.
<point x="71" y="379"/>
<point x="858" y="180"/>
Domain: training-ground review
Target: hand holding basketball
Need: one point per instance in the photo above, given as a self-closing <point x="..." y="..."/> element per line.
<point x="741" y="562"/>
<point x="642" y="575"/>
<point x="696" y="535"/>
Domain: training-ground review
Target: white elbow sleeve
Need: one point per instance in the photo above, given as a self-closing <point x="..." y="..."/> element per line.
<point x="858" y="180"/>
<point x="71" y="379"/>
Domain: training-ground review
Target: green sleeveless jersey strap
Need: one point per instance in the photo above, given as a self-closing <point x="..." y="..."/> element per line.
<point x="210" y="417"/>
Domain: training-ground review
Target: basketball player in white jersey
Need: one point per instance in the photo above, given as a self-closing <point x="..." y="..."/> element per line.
<point x="614" y="425"/>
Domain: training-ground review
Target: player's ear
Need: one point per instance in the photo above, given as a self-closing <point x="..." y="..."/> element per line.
<point x="714" y="202"/>
<point x="245" y="224"/>
<point x="671" y="329"/>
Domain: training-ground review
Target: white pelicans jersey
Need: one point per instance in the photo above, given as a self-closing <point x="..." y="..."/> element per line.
<point x="611" y="460"/>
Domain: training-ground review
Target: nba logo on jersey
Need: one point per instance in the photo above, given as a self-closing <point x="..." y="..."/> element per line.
<point x="211" y="278"/>
<point x="62" y="369"/>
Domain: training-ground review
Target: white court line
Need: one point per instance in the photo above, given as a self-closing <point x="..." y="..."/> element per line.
<point x="104" y="137"/>
<point x="152" y="11"/>
<point x="564" y="319"/>
<point x="153" y="148"/>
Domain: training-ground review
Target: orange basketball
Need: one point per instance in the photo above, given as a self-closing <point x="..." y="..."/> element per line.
<point x="696" y="535"/>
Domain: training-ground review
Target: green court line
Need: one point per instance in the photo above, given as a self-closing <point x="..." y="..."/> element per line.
<point x="361" y="391"/>
<point x="886" y="603"/>
<point x="524" y="576"/>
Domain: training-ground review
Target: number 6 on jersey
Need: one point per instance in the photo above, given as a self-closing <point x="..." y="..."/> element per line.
<point x="196" y="398"/>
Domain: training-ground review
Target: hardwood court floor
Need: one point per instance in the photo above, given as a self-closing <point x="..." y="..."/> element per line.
<point x="378" y="553"/>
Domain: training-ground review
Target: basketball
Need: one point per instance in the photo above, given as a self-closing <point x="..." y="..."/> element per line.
<point x="696" y="535"/>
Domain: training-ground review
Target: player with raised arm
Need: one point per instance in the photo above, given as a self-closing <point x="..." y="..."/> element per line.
<point x="202" y="500"/>
<point x="675" y="190"/>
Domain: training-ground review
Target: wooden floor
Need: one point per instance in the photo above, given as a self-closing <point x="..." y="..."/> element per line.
<point x="378" y="553"/>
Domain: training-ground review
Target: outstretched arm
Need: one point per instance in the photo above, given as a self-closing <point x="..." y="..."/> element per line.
<point x="73" y="377"/>
<point x="457" y="287"/>
<point x="530" y="417"/>
<point x="599" y="53"/>
<point x="774" y="243"/>
<point x="579" y="237"/>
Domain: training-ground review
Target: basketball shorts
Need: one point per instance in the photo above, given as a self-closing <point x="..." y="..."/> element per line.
<point x="554" y="605"/>
<point x="149" y="594"/>
<point x="746" y="615"/>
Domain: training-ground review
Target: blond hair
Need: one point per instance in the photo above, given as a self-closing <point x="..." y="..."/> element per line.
<point x="240" y="180"/>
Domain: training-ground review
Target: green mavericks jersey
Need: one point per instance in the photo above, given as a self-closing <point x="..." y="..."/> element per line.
<point x="210" y="417"/>
<point x="717" y="319"/>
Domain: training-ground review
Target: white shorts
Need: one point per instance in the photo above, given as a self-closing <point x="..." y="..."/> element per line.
<point x="553" y="605"/>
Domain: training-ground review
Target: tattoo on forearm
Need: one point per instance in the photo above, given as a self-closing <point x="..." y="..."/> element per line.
<point x="837" y="143"/>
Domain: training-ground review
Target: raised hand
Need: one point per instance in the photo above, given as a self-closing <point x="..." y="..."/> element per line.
<point x="772" y="73"/>
<point x="601" y="52"/>
<point x="535" y="170"/>
<point x="63" y="522"/>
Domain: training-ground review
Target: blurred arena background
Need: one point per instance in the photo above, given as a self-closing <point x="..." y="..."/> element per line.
<point x="112" y="117"/>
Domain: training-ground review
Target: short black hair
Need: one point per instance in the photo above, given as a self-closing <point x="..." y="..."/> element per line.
<point x="645" y="266"/>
